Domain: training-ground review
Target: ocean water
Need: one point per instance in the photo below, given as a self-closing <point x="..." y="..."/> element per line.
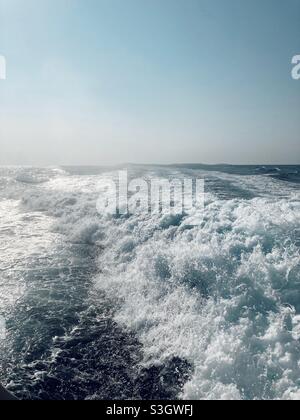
<point x="147" y="307"/>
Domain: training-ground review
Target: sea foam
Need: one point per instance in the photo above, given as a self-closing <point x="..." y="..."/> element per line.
<point x="224" y="295"/>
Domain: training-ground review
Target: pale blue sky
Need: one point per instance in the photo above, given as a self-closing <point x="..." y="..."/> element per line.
<point x="160" y="81"/>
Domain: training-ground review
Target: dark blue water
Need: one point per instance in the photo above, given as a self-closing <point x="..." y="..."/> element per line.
<point x="288" y="173"/>
<point x="141" y="307"/>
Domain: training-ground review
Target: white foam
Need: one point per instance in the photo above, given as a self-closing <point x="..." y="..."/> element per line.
<point x="212" y="295"/>
<point x="222" y="295"/>
<point x="24" y="236"/>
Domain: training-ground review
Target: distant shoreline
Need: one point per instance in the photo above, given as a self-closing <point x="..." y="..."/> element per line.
<point x="124" y="164"/>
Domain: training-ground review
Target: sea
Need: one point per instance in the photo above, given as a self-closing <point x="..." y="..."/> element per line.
<point x="143" y="306"/>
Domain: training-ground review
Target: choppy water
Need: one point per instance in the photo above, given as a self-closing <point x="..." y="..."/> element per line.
<point x="144" y="307"/>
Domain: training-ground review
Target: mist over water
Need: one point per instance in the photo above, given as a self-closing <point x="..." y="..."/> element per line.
<point x="147" y="306"/>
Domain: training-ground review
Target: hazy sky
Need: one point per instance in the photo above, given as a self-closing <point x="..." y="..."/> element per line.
<point x="160" y="81"/>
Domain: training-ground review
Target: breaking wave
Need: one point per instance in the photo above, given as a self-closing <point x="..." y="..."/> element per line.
<point x="219" y="302"/>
